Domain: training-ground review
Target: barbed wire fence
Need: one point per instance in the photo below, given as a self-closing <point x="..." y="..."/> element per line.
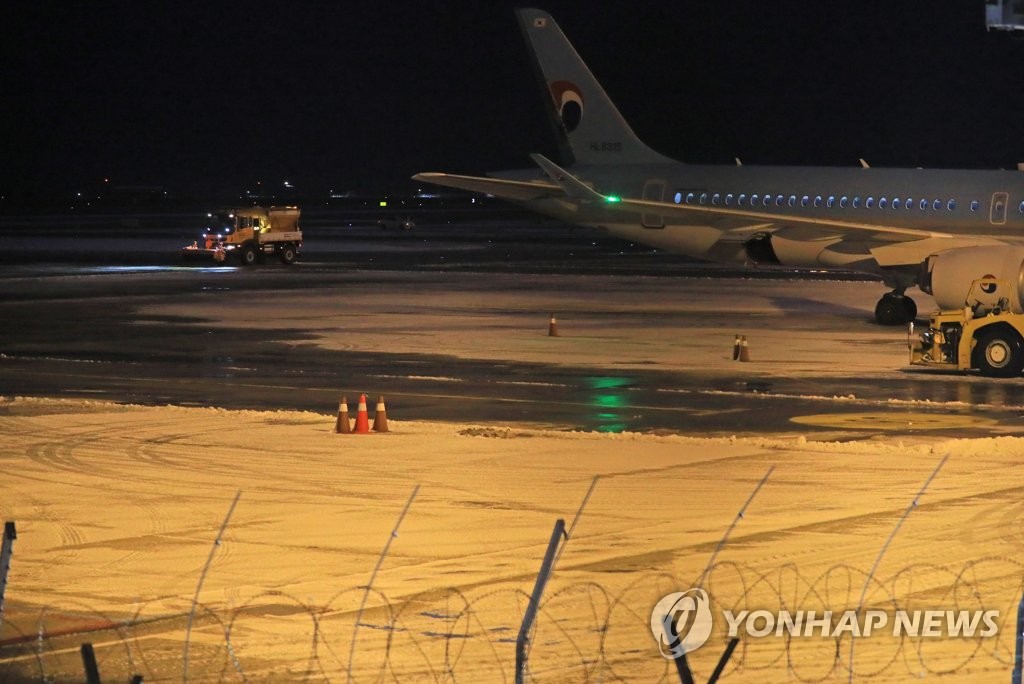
<point x="583" y="630"/>
<point x="586" y="631"/>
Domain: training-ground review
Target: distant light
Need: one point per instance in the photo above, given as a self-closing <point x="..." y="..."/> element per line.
<point x="383" y="203"/>
<point x="611" y="199"/>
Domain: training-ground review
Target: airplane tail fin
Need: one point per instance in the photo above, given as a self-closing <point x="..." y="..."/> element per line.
<point x="591" y="129"/>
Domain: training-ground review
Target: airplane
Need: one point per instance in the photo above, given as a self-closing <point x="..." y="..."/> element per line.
<point x="937" y="229"/>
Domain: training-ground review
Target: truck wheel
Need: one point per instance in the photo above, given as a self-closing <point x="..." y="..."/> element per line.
<point x="287" y="254"/>
<point x="248" y="255"/>
<point x="999" y="354"/>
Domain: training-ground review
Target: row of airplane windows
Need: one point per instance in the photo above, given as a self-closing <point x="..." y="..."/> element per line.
<point x="819" y="201"/>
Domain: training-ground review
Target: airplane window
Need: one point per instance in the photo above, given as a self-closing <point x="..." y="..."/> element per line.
<point x="831" y="201"/>
<point x="716" y="199"/>
<point x="843" y="201"/>
<point x="817" y="201"/>
<point x="924" y="204"/>
<point x="779" y="200"/>
<point x="895" y="202"/>
<point x="703" y="198"/>
<point x="936" y="205"/>
<point x="767" y="200"/>
<point x="792" y="200"/>
<point x="753" y="199"/>
<point x="883" y="203"/>
<point x="678" y="198"/>
<point x="804" y="201"/>
<point x="856" y="202"/>
<point x="1021" y="208"/>
<point x="951" y="205"/>
<point x="869" y="203"/>
<point x="910" y="203"/>
<point x="975" y="204"/>
<point x="742" y="199"/>
<point x="729" y="198"/>
<point x="690" y="197"/>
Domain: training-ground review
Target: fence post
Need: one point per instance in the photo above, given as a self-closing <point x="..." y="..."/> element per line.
<point x="885" y="547"/>
<point x="1019" y="660"/>
<point x="373" y="575"/>
<point x="202" y="578"/>
<point x="92" y="672"/>
<point x="538" y="591"/>
<point x="682" y="664"/>
<point x="10" y="534"/>
<point x="723" y="660"/>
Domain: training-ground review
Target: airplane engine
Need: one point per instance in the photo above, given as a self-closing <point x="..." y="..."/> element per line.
<point x="948" y="275"/>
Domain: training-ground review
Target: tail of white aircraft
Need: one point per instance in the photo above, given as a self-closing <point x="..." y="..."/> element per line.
<point x="591" y="129"/>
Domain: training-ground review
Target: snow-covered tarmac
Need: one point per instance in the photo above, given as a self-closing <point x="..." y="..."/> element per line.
<point x="118" y="506"/>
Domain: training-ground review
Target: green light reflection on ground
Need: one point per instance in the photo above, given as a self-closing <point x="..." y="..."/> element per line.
<point x="606" y="397"/>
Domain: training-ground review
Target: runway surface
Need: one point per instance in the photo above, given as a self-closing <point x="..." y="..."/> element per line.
<point x="128" y="322"/>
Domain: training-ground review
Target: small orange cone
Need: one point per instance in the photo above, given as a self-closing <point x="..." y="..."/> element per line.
<point x="744" y="349"/>
<point x="552" y="327"/>
<point x="736" y="349"/>
<point x="380" y="417"/>
<point x="362" y="418"/>
<point x="343" y="425"/>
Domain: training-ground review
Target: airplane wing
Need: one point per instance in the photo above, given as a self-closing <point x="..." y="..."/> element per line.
<point x="507" y="189"/>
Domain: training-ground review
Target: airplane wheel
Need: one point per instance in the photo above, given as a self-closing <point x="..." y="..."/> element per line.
<point x="999" y="354"/>
<point x="909" y="309"/>
<point x="890" y="310"/>
<point x="894" y="309"/>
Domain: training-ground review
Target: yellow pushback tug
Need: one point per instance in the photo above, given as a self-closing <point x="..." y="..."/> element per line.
<point x="987" y="334"/>
<point x="250" y="234"/>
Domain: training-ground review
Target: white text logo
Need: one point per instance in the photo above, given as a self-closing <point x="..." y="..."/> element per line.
<point x="681" y="622"/>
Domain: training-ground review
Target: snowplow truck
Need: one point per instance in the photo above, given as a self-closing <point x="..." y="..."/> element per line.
<point x="249" y="234"/>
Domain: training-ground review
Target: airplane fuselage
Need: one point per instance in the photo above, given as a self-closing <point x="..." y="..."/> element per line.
<point x="979" y="204"/>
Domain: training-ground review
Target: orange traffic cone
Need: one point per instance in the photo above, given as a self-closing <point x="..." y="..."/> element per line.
<point x="736" y="349"/>
<point x="362" y="418"/>
<point x="343" y="425"/>
<point x="744" y="349"/>
<point x="380" y="418"/>
<point x="552" y="327"/>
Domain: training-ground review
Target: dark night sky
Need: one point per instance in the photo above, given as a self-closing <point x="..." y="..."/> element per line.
<point x="360" y="95"/>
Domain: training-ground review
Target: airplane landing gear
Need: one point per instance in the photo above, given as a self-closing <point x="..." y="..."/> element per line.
<point x="895" y="308"/>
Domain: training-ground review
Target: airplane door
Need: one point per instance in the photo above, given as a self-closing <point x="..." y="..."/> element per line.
<point x="997" y="214"/>
<point x="654" y="191"/>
